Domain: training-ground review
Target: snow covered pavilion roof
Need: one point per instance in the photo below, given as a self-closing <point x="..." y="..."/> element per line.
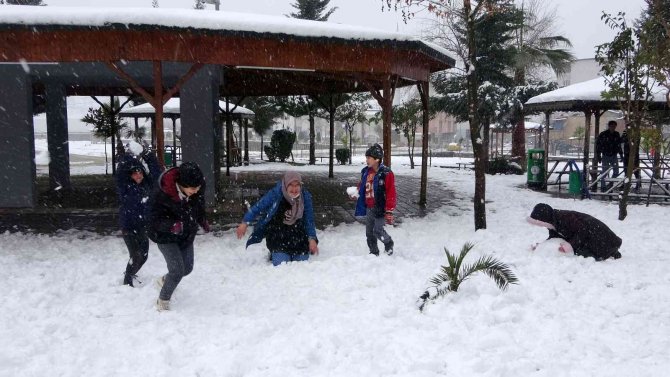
<point x="263" y="54"/>
<point x="586" y="95"/>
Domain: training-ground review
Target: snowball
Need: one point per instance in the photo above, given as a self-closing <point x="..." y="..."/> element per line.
<point x="352" y="191"/>
<point x="135" y="148"/>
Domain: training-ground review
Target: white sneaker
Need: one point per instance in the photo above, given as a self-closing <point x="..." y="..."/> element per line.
<point x="162" y="305"/>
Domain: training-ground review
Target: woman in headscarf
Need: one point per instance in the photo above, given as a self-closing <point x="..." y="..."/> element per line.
<point x="287" y="221"/>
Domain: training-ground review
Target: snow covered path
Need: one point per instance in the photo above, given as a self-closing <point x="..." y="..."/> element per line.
<point x="345" y="313"/>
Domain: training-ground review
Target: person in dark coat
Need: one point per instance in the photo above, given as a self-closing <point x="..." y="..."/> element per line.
<point x="178" y="208"/>
<point x="376" y="199"/>
<point x="608" y="147"/>
<point x="134" y="183"/>
<point x="287" y="221"/>
<point x="584" y="234"/>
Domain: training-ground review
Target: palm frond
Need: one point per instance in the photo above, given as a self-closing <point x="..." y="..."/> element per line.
<point x="455" y="273"/>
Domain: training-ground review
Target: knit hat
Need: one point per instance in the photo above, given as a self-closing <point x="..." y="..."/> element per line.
<point x="375" y="151"/>
<point x="190" y="175"/>
<point x="542" y="215"/>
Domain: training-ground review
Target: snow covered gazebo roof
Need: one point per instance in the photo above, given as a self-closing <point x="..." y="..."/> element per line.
<point x="262" y="55"/>
<point x="172" y="108"/>
<point x="584" y="96"/>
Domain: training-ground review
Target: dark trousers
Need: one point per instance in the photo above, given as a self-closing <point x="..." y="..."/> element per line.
<point x="179" y="259"/>
<point x="374" y="230"/>
<point x="609" y="162"/>
<point x="137" y="243"/>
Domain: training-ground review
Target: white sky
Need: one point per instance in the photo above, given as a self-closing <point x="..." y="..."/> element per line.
<point x="579" y="20"/>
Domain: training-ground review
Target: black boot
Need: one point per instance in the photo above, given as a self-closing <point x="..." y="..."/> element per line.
<point x="372" y="245"/>
<point x="128" y="279"/>
<point x="388" y="248"/>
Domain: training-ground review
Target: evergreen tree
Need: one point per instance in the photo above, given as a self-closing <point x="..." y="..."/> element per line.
<point x="312" y="10"/>
<point x="535" y="47"/>
<point x="406" y="118"/>
<point x="626" y="73"/>
<point x="25" y="2"/>
<point x="352" y="113"/>
<point x="266" y="112"/>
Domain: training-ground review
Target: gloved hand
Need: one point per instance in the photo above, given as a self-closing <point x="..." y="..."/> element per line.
<point x="388" y="216"/>
<point x="177" y="228"/>
<point x="205" y="226"/>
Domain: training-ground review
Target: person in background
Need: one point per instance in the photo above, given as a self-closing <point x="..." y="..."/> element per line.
<point x="636" y="159"/>
<point x="608" y="146"/>
<point x="583" y="234"/>
<point x="136" y="177"/>
<point x="178" y="208"/>
<point x="376" y="199"/>
<point x="287" y="224"/>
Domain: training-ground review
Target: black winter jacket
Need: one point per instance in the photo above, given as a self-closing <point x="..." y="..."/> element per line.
<point x="609" y="144"/>
<point x="587" y="235"/>
<point x="167" y="208"/>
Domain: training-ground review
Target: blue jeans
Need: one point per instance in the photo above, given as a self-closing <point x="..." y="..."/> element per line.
<point x="278" y="257"/>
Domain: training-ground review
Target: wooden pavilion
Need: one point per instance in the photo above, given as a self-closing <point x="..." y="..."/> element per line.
<point x="584" y="97"/>
<point x="197" y="55"/>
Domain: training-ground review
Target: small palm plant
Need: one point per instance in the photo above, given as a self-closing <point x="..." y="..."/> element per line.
<point x="451" y="277"/>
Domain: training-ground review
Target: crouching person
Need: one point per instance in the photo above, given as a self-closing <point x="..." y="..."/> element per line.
<point x="584" y="234"/>
<point x="177" y="210"/>
<point x="287" y="224"/>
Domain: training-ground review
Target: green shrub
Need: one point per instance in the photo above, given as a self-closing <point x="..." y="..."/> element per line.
<point x="501" y="165"/>
<point x="282" y="144"/>
<point x="270" y="152"/>
<point x="342" y="155"/>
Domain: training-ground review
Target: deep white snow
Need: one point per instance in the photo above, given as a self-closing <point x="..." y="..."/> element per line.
<point x="345" y="313"/>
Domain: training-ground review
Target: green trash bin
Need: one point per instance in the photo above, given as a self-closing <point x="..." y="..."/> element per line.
<point x="575" y="182"/>
<point x="168" y="157"/>
<point x="536" y="173"/>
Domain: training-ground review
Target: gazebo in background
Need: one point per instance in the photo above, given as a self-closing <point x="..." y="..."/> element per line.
<point x="172" y="111"/>
<point x="584" y="97"/>
<point x="196" y="55"/>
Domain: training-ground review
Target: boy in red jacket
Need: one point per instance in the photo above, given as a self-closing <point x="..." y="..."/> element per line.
<point x="376" y="199"/>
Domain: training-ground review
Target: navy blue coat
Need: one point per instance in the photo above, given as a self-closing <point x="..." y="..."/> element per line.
<point x="133" y="197"/>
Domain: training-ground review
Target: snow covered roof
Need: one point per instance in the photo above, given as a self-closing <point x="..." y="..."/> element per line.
<point x="134" y="18"/>
<point x="172" y="107"/>
<point x="584" y="94"/>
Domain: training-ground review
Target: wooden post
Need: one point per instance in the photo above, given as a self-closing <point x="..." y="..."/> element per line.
<point x="423" y="91"/>
<point x="158" y="105"/>
<point x="547" y="121"/>
<point x="246" y="141"/>
<point x="587" y="145"/>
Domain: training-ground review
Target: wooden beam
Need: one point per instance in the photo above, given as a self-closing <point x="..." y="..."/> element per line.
<point x="133" y="84"/>
<point x="192" y="71"/>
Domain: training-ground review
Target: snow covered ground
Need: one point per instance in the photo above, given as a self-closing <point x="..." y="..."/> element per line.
<point x="345" y="313"/>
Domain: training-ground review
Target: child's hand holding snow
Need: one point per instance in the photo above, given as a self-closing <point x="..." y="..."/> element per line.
<point x="352" y="192"/>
